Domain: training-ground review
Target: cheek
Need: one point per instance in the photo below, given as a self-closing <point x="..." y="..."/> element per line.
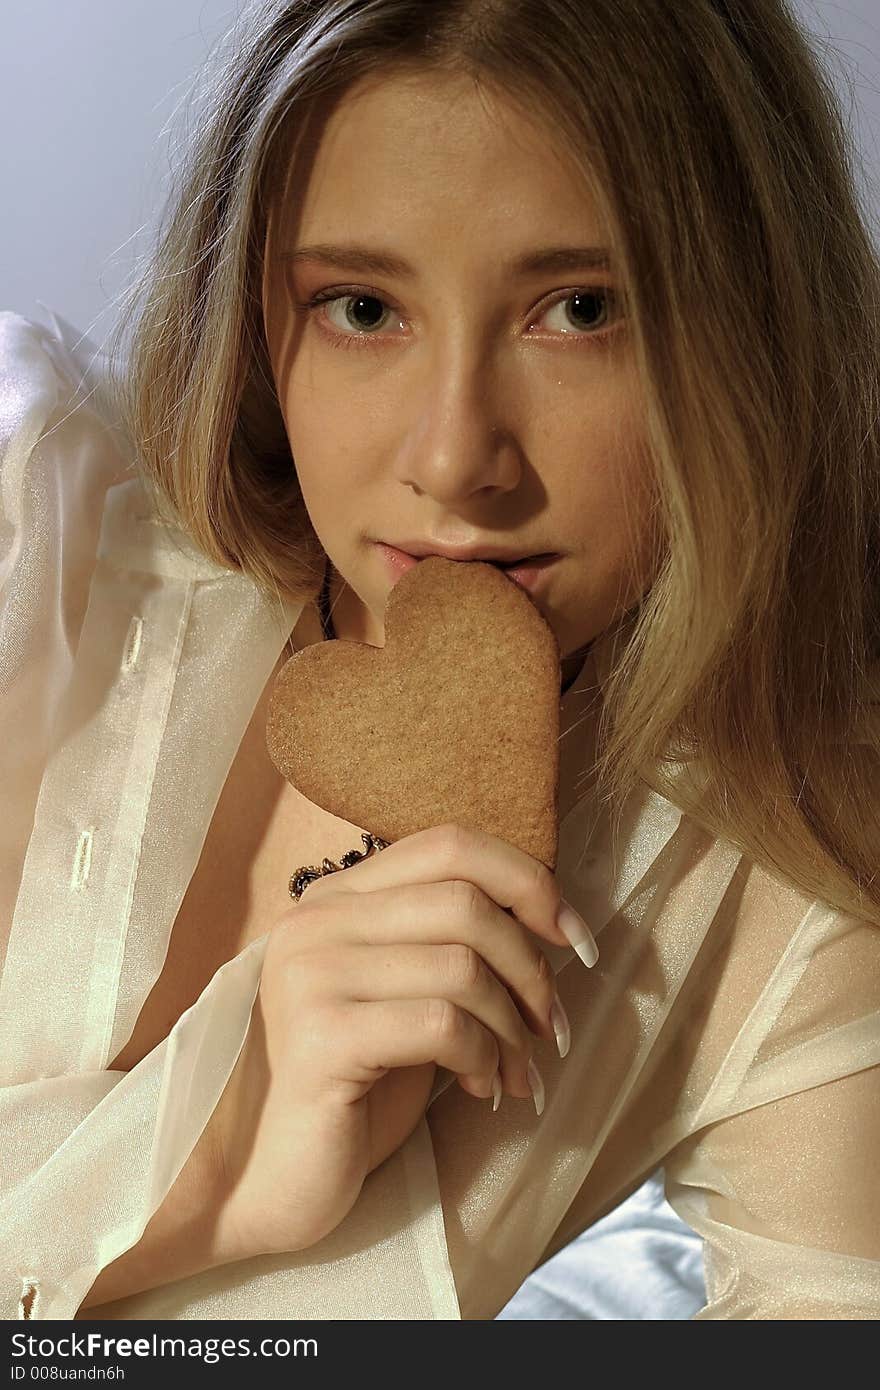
<point x="331" y="417"/>
<point x="611" y="495"/>
<point x="608" y="483"/>
<point x="631" y="536"/>
<point x="322" y="449"/>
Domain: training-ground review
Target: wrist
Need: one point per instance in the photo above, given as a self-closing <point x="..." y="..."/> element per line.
<point x="218" y="1197"/>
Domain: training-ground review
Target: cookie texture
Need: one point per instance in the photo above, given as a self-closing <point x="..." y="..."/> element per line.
<point x="455" y="719"/>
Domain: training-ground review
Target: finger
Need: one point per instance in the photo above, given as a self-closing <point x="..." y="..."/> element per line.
<point x="409" y="1032"/>
<point x="437" y="914"/>
<point x="513" y="879"/>
<point x="455" y="972"/>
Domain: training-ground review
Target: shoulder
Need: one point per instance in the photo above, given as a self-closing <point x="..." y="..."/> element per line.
<point x="60" y="456"/>
<point x="40" y="368"/>
<point x="30" y="383"/>
<point x="61" y="446"/>
<point x="43" y="367"/>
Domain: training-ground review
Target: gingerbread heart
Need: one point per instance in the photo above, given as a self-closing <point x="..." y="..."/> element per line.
<point x="455" y="719"/>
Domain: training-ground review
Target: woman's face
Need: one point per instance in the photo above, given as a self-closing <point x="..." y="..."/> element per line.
<point x="458" y="401"/>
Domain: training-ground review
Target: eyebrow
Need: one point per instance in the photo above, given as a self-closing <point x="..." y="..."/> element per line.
<point x="368" y="261"/>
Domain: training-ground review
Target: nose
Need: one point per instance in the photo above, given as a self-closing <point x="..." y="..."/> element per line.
<point x="462" y="441"/>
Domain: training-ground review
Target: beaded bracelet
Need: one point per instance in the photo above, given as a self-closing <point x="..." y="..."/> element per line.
<point x="307" y="873"/>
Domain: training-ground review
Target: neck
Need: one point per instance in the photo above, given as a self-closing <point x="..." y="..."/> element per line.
<point x="571" y="667"/>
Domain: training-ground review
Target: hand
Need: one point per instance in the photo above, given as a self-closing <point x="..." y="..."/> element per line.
<point x="403" y="962"/>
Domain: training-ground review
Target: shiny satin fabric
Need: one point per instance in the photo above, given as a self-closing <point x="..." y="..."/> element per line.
<point x="729" y="1032"/>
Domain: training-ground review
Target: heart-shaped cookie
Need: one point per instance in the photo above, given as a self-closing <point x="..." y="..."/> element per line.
<point x="455" y="719"/>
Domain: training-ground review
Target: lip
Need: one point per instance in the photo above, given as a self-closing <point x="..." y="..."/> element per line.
<point x="529" y="575"/>
<point x="493" y="554"/>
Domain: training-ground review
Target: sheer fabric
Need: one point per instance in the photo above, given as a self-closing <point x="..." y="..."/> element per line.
<point x="730" y="1031"/>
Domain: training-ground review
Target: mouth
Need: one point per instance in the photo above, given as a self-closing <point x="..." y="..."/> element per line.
<point x="518" y="564"/>
<point x="527" y="572"/>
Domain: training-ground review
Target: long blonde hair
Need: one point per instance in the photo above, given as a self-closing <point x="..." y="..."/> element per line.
<point x="743" y="685"/>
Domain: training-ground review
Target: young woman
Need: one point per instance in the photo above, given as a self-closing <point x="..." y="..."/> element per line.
<point x="586" y="281"/>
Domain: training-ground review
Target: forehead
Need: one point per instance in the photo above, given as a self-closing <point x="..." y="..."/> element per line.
<point x="428" y="152"/>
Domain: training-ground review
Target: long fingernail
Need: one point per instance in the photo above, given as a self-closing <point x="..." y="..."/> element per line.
<point x="561" y="1026"/>
<point x="577" y="933"/>
<point x="536" y="1086"/>
<point x="496" y="1091"/>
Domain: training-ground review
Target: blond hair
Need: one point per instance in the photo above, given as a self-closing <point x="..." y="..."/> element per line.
<point x="743" y="685"/>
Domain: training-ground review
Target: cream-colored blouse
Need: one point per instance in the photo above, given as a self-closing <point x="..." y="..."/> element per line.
<point x="730" y="1030"/>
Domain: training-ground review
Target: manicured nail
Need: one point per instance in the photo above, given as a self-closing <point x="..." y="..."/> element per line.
<point x="561" y="1026"/>
<point x="496" y="1092"/>
<point x="536" y="1086"/>
<point x="577" y="933"/>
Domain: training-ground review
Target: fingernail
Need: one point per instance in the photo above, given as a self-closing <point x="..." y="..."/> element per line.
<point x="536" y="1087"/>
<point x="496" y="1092"/>
<point x="561" y="1026"/>
<point x="577" y="933"/>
